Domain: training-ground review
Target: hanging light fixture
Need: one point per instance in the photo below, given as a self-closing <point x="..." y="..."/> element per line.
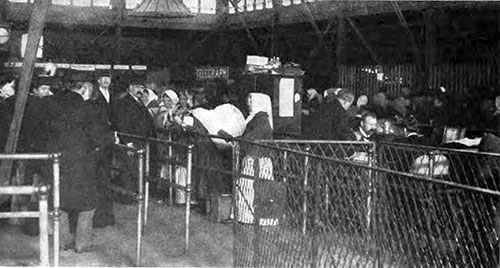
<point x="161" y="9"/>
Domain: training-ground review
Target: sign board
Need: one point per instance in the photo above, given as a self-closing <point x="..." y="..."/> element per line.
<point x="211" y="73"/>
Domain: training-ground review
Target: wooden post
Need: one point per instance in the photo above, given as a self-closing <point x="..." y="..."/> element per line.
<point x="37" y="23"/>
<point x="339" y="48"/>
<point x="430" y="48"/>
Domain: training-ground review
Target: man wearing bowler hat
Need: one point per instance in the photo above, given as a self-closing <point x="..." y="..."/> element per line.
<point x="102" y="101"/>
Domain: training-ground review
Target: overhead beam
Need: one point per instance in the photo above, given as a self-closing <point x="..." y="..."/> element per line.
<point x="326" y="10"/>
<point x="19" y="12"/>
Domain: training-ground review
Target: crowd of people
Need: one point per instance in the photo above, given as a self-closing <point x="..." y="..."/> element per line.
<point x="338" y="115"/>
<point x="80" y="122"/>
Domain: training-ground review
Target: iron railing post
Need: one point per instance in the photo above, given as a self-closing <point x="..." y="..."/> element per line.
<point x="57" y="212"/>
<point x="170" y="173"/>
<point x="188" y="194"/>
<point x="140" y="200"/>
<point x="147" y="173"/>
<point x="236" y="172"/>
<point x="43" y="196"/>
<point x="306" y="186"/>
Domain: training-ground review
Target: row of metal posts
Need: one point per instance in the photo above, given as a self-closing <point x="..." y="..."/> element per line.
<point x="43" y="214"/>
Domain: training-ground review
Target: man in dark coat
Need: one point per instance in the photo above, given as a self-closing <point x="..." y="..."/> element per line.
<point x="76" y="132"/>
<point x="102" y="101"/>
<point x="132" y="117"/>
<point x="332" y="120"/>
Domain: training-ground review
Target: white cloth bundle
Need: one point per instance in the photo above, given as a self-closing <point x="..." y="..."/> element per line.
<point x="224" y="117"/>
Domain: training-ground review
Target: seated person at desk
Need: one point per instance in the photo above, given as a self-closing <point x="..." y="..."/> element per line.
<point x="367" y="127"/>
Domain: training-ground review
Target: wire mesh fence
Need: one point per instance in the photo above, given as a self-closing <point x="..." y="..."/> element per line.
<point x="298" y="209"/>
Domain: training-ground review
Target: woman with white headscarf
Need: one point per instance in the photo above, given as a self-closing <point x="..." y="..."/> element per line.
<point x="168" y="103"/>
<point x="258" y="164"/>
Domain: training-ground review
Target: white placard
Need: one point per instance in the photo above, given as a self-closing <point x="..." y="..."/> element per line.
<point x="39" y="65"/>
<point x="63" y="65"/>
<point x="83" y="67"/>
<point x="139" y="67"/>
<point x="257" y="60"/>
<point x="286" y="97"/>
<point x="121" y="67"/>
<point x="103" y="66"/>
<point x="24" y="41"/>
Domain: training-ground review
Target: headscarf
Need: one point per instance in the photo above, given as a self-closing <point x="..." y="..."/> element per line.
<point x="172" y="95"/>
<point x="151" y="96"/>
<point x="259" y="102"/>
<point x="6" y="91"/>
<point x="312" y="93"/>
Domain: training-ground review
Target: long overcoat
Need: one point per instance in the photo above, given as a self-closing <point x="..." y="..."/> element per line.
<point x="77" y="133"/>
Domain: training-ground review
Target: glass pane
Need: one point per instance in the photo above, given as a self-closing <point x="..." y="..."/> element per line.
<point x="241" y="5"/>
<point x="250" y="5"/>
<point x="101" y="3"/>
<point x="82" y="3"/>
<point x="131" y="4"/>
<point x="18" y="1"/>
<point x="231" y="9"/>
<point x="260" y="5"/>
<point x="269" y="3"/>
<point x="61" y="2"/>
<point x="208" y="6"/>
<point x="192" y="5"/>
<point x="287" y="2"/>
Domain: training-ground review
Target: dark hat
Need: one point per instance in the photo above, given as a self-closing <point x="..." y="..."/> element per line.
<point x="137" y="80"/>
<point x="101" y="73"/>
<point x="37" y="81"/>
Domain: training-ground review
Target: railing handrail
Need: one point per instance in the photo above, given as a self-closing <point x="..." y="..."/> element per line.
<point x="437" y="149"/>
<point x="145" y="138"/>
<point x="30" y="156"/>
<point x="319" y="142"/>
<point x="354" y="164"/>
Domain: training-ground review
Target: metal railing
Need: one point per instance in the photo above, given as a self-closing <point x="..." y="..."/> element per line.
<point x="325" y="211"/>
<point x="43" y="214"/>
<point x="130" y="162"/>
<point x="170" y="160"/>
<point x="461" y="166"/>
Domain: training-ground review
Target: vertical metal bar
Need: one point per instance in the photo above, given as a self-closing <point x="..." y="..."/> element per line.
<point x="169" y="166"/>
<point x="314" y="237"/>
<point x="236" y="169"/>
<point x="304" y="203"/>
<point x="256" y="217"/>
<point x="140" y="199"/>
<point x="56" y="213"/>
<point x="431" y="164"/>
<point x="371" y="153"/>
<point x="147" y="170"/>
<point x="43" y="193"/>
<point x="188" y="194"/>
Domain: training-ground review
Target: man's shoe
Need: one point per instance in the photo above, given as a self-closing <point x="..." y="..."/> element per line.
<point x="67" y="246"/>
<point x="86" y="249"/>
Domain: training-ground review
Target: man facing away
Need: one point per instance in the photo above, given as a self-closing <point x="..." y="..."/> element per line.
<point x="76" y="133"/>
<point x="332" y="120"/>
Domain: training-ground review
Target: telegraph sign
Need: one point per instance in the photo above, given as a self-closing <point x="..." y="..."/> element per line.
<point x="212" y="73"/>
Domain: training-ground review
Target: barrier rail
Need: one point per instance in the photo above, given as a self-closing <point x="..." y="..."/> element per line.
<point x="337" y="204"/>
<point x="42" y="191"/>
<point x="337" y="212"/>
<point x="176" y="160"/>
<point x="129" y="163"/>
